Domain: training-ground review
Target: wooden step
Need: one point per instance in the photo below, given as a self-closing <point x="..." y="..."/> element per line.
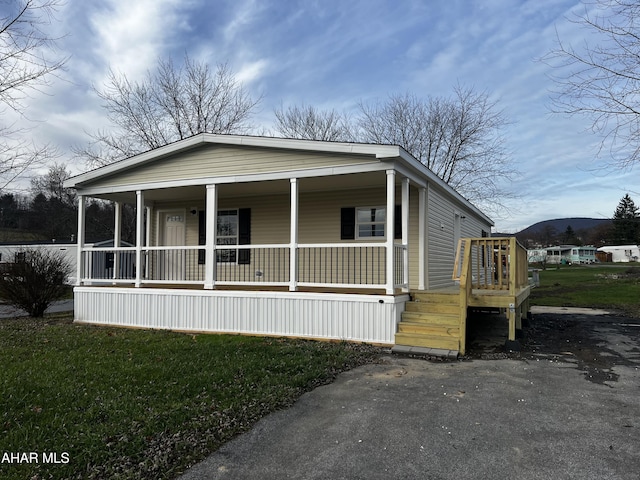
<point x="428" y="307"/>
<point x="426" y="329"/>
<point x="429" y="341"/>
<point x="431" y="318"/>
<point x="433" y="297"/>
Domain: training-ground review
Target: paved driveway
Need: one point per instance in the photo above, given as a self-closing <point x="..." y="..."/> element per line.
<point x="545" y="413"/>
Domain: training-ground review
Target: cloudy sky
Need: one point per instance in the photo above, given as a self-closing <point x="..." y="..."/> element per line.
<point x="336" y="53"/>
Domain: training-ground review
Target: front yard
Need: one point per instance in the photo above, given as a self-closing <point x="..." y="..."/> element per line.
<point x="89" y="402"/>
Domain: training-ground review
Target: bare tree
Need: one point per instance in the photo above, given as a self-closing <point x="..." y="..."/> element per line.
<point x="309" y="123"/>
<point x="459" y="139"/>
<point x="51" y="186"/>
<point x="25" y="65"/>
<point x="601" y="78"/>
<point x="170" y="104"/>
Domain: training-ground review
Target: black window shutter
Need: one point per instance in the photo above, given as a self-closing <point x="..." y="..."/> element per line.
<point x="348" y="223"/>
<point x="244" y="235"/>
<point x="397" y="220"/>
<point x="202" y="235"/>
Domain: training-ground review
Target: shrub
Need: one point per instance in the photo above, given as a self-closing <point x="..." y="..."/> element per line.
<point x="35" y="280"/>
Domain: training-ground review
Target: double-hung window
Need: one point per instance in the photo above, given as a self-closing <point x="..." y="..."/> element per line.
<point x="227" y="234"/>
<point x="370" y="222"/>
<point x="233" y="227"/>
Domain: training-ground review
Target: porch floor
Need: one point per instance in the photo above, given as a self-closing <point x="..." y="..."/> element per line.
<point x="258" y="288"/>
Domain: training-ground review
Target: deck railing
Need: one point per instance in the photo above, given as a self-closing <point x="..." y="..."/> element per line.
<point x="359" y="265"/>
<point x="498" y="263"/>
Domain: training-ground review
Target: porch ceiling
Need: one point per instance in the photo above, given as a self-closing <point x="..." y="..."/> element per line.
<point x="270" y="187"/>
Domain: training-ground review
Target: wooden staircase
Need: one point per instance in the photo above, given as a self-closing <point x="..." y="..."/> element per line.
<point x="431" y="321"/>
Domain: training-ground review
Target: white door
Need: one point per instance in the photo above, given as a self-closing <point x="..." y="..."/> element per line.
<point x="171" y="262"/>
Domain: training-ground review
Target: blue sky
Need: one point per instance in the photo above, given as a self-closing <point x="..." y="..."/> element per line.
<point x="334" y="54"/>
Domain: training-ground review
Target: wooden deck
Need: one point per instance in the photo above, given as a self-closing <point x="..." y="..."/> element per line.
<point x="492" y="274"/>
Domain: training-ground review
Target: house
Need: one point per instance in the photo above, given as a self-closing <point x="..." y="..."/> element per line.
<point x="537" y="255"/>
<point x="621" y="253"/>
<point x="312" y="239"/>
<point x="571" y="254"/>
<point x="11" y="252"/>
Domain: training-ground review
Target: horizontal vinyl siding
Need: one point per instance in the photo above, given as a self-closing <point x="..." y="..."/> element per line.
<point x="361" y="318"/>
<point x="440" y="232"/>
<point x="216" y="160"/>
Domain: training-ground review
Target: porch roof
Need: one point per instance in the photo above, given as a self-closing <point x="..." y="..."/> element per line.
<point x="374" y="160"/>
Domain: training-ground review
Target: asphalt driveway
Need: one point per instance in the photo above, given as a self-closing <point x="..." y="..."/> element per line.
<point x="566" y="407"/>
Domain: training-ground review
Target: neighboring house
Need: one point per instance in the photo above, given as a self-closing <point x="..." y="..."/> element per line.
<point x="571" y="254"/>
<point x="100" y="262"/>
<point x="537" y="255"/>
<point x="11" y="252"/>
<point x="622" y="253"/>
<point x="311" y="239"/>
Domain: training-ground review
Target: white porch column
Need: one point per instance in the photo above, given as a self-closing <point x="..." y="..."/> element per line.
<point x="211" y="222"/>
<point x="80" y="255"/>
<point x="422" y="236"/>
<point x="139" y="235"/>
<point x="147" y="240"/>
<point x="405" y="233"/>
<point x="117" y="234"/>
<point x="293" y="243"/>
<point x="391" y="207"/>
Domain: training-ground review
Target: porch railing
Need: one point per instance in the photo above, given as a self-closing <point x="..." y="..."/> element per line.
<point x="360" y="265"/>
<point x="401" y="266"/>
<point x="498" y="263"/>
<point x="357" y="265"/>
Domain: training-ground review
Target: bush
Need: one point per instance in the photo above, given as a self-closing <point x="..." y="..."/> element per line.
<point x="35" y="280"/>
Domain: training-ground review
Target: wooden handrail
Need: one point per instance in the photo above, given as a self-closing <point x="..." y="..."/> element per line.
<point x="494" y="263"/>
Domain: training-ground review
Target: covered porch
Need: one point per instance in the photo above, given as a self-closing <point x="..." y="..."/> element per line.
<point x="269" y="243"/>
<point x="288" y="257"/>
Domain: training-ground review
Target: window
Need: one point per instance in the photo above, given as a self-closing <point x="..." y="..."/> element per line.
<point x="233" y="228"/>
<point x="370" y="222"/>
<point x="227" y="234"/>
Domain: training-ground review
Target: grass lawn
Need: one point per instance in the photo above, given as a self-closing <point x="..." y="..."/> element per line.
<point x="118" y="403"/>
<point x="612" y="286"/>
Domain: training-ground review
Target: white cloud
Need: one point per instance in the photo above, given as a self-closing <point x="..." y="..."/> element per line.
<point x="252" y="71"/>
<point x="131" y="35"/>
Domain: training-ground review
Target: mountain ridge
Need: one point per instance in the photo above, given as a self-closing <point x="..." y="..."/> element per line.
<point x="561" y="224"/>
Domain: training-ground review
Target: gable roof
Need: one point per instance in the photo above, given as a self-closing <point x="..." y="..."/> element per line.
<point x="375" y="151"/>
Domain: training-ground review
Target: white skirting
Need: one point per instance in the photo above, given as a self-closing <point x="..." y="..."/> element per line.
<point x="363" y="318"/>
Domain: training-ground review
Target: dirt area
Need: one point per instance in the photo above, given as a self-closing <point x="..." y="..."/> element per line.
<point x="582" y="339"/>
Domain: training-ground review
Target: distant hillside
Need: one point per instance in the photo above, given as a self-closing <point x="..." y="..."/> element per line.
<point x="560" y="225"/>
<point x="586" y="231"/>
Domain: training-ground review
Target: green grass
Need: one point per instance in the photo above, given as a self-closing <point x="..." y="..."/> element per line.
<point x="611" y="286"/>
<point x="144" y="404"/>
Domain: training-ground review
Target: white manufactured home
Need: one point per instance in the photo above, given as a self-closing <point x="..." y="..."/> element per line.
<point x="283" y="237"/>
<point x="622" y="253"/>
<point x="13" y="251"/>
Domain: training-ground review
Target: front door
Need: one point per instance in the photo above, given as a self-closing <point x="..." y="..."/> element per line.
<point x="171" y="262"/>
